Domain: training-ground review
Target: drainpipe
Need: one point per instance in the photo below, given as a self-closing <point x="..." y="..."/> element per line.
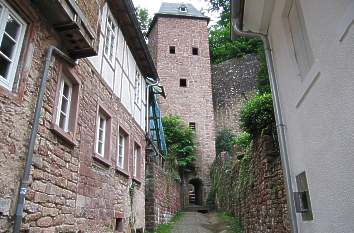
<point x="279" y="121"/>
<point x="26" y="173"/>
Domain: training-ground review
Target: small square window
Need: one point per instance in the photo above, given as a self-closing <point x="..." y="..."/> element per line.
<point x="172" y="49"/>
<point x="192" y="125"/>
<point x="183" y="82"/>
<point x="195" y="51"/>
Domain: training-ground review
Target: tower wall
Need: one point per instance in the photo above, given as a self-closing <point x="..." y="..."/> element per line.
<point x="194" y="102"/>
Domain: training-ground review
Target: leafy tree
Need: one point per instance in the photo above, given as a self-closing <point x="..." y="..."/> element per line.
<point x="224" y="141"/>
<point x="144" y="19"/>
<point x="180" y="140"/>
<point x="257" y="114"/>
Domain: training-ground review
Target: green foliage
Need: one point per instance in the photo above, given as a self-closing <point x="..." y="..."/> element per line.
<point x="224" y="141"/>
<point x="234" y="223"/>
<point x="144" y="19"/>
<point x="222" y="48"/>
<point x="167" y="227"/>
<point x="263" y="85"/>
<point x="223" y="7"/>
<point x="257" y="114"/>
<point x="245" y="176"/>
<point x="243" y="141"/>
<point x="180" y="140"/>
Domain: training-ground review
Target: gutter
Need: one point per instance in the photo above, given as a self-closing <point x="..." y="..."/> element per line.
<point x="27" y="169"/>
<point x="237" y="22"/>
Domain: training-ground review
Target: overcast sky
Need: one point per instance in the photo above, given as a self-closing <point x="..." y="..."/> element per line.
<point x="154" y="5"/>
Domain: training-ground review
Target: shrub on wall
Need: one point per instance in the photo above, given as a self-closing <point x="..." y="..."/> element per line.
<point x="257" y="114"/>
<point x="224" y="141"/>
<point x="180" y="140"/>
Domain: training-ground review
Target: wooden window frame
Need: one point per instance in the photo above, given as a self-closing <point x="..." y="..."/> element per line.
<point x="104" y="158"/>
<point x="137" y="161"/>
<point x="125" y="169"/>
<point x="68" y="135"/>
<point x="8" y="10"/>
<point x="110" y="53"/>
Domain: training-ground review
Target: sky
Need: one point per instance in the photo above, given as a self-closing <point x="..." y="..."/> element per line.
<point x="154" y="5"/>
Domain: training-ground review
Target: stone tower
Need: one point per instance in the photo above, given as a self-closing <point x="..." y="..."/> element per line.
<point x="178" y="38"/>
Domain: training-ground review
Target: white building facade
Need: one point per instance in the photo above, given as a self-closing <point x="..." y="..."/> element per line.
<point x="312" y="45"/>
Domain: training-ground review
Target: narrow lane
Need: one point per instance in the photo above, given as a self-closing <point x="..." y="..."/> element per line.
<point x="194" y="222"/>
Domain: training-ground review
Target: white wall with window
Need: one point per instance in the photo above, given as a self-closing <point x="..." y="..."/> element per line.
<point x="12" y="31"/>
<point x="118" y="68"/>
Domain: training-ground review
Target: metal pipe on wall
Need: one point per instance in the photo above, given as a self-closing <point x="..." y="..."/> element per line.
<point x="39" y="104"/>
<point x="279" y="121"/>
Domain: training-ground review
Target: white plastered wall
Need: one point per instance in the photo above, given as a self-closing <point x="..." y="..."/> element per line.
<point x="318" y="108"/>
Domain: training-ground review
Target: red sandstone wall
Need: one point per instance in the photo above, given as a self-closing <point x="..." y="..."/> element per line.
<point x="69" y="190"/>
<point x="162" y="196"/>
<point x="194" y="103"/>
<point x="262" y="207"/>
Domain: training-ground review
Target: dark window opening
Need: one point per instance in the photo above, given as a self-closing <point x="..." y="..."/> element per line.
<point x="195" y="51"/>
<point x="172" y="49"/>
<point x="192" y="125"/>
<point x="119" y="225"/>
<point x="183" y="82"/>
<point x="139" y="230"/>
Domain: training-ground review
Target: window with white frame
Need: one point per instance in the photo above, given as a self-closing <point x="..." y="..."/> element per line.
<point x="137" y="86"/>
<point x="121" y="150"/>
<point x="110" y="37"/>
<point x="302" y="48"/>
<point x="12" y="30"/>
<point x="64" y="104"/>
<point x="101" y="134"/>
<point x="136" y="158"/>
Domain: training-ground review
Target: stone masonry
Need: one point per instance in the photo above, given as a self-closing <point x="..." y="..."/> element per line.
<point x="261" y="205"/>
<point x="233" y="82"/>
<point x="69" y="190"/>
<point x="194" y="102"/>
<point x="162" y="192"/>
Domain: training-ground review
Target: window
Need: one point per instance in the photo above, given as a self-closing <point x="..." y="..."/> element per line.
<point x="183" y="8"/>
<point x="183" y="82"/>
<point x="195" y="51"/>
<point x="101" y="134"/>
<point x="12" y="30"/>
<point x="119" y="225"/>
<point x="64" y="104"/>
<point x="303" y="52"/>
<point x="137" y="87"/>
<point x="192" y="125"/>
<point x="110" y="38"/>
<point x="172" y="49"/>
<point x="136" y="159"/>
<point x="122" y="146"/>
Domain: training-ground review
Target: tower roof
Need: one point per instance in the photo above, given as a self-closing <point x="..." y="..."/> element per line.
<point x="180" y="10"/>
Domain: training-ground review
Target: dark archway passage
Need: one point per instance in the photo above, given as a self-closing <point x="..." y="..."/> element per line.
<point x="195" y="192"/>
